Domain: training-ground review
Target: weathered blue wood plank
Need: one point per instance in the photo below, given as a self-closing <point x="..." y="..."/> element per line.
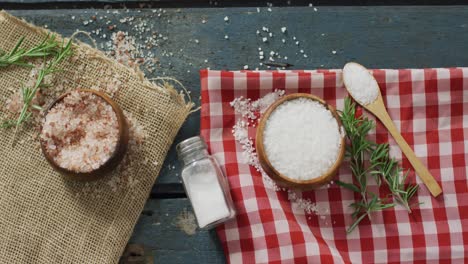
<point x="157" y="230"/>
<point x="230" y="3"/>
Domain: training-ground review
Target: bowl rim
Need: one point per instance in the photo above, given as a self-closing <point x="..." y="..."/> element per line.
<point x="276" y="175"/>
<point x="114" y="159"/>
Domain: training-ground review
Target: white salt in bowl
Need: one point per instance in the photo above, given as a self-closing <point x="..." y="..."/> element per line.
<point x="281" y="179"/>
<point x="116" y="156"/>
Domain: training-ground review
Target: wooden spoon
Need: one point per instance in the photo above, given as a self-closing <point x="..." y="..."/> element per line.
<point x="377" y="108"/>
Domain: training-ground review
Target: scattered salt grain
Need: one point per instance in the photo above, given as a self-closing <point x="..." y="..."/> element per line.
<point x="248" y="109"/>
<point x="305" y="204"/>
<point x="360" y="83"/>
<point x="186" y="222"/>
<point x="302" y="139"/>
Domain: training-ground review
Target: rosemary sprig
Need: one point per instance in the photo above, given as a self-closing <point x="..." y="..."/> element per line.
<point x="387" y="168"/>
<point x="17" y="56"/>
<point x="381" y="167"/>
<point x="28" y="93"/>
<point x="356" y="129"/>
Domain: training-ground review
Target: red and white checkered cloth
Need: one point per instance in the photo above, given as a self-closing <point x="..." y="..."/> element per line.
<point x="430" y="108"/>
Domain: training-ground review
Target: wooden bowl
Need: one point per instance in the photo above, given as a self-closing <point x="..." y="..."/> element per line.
<point x="281" y="179"/>
<point x="115" y="158"/>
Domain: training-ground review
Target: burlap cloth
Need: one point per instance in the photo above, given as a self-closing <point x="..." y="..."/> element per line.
<point x="47" y="219"/>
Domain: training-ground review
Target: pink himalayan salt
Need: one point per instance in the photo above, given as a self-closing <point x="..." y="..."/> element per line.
<point x="80" y="132"/>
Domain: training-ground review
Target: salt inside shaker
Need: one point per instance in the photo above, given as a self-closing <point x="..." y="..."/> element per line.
<point x="205" y="184"/>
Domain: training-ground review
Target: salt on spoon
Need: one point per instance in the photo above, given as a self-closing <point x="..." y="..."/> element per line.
<point x="363" y="87"/>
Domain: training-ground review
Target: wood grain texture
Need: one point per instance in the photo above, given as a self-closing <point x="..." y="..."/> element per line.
<point x="378" y="37"/>
<point x="157" y="231"/>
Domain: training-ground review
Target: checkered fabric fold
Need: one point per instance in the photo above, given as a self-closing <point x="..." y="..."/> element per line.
<point x="428" y="106"/>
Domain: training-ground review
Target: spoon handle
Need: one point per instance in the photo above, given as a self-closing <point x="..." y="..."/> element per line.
<point x="418" y="166"/>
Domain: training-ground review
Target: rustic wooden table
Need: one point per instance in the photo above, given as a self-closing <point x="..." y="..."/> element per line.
<point x="377" y="36"/>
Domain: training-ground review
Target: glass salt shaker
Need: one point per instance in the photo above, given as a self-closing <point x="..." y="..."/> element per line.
<point x="205" y="184"/>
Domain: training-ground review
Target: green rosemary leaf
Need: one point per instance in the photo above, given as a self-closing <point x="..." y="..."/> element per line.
<point x="49" y="46"/>
<point x="411" y="191"/>
<point x="7" y="124"/>
<point x="22" y="64"/>
<point x="355" y="223"/>
<point x="387" y="205"/>
<point x="18" y="44"/>
<point x="348" y="186"/>
<point x="405" y="175"/>
<point x="37" y="107"/>
<point x="18" y="55"/>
